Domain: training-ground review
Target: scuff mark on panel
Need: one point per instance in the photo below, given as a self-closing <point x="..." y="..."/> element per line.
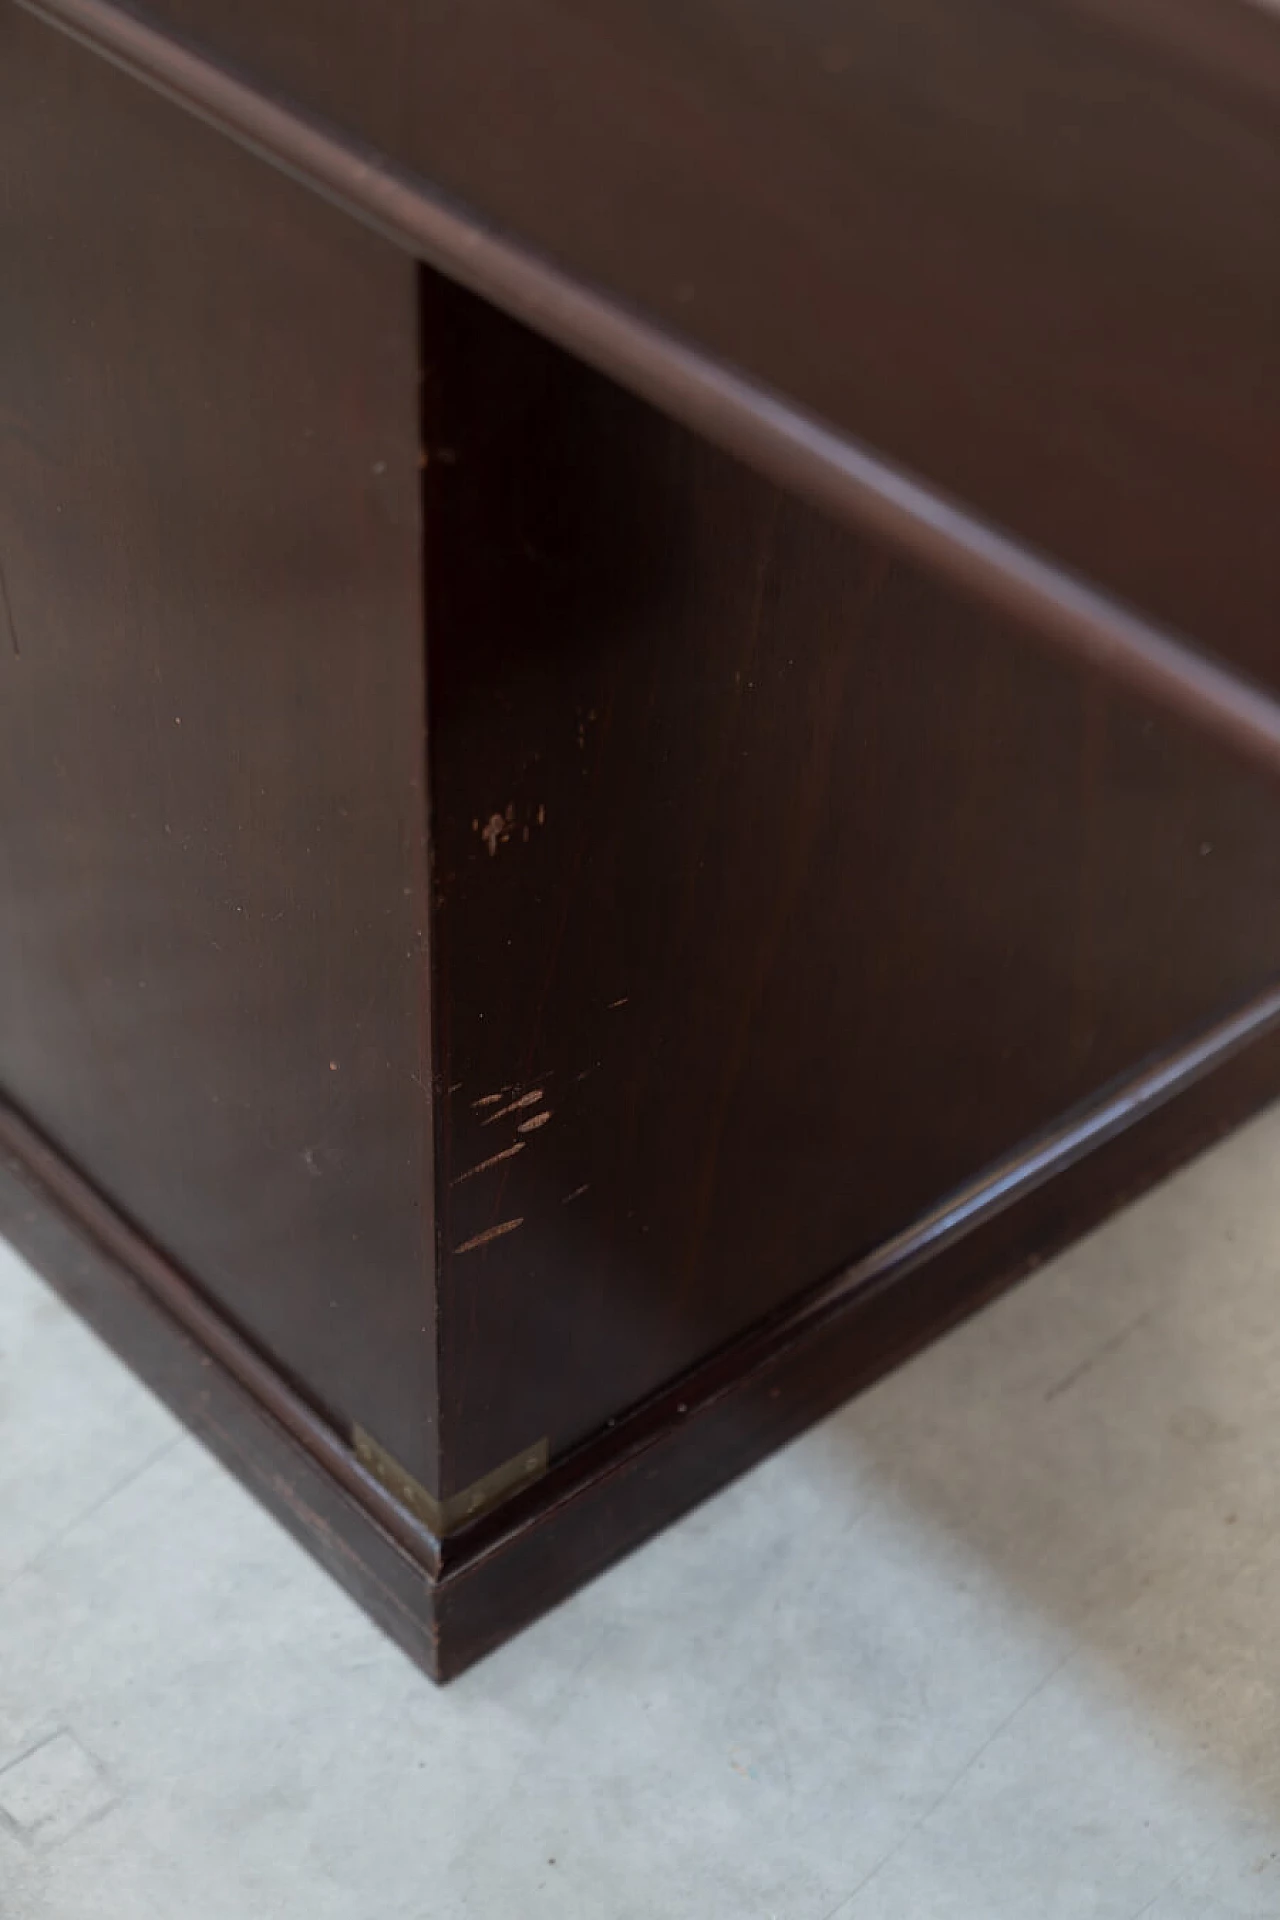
<point x="500" y="827"/>
<point x="524" y="1100"/>
<point x="507" y="1153"/>
<point x="496" y="829"/>
<point x="490" y="1233"/>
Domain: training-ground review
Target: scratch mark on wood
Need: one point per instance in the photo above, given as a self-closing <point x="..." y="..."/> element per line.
<point x="576" y="1194"/>
<point x="490" y="1233"/>
<point x="506" y="1154"/>
<point x="525" y="1100"/>
<point x="9" y="621"/>
<point x="619" y="1003"/>
<point x="538" y="1120"/>
<point x="489" y="1100"/>
<point x="495" y="829"/>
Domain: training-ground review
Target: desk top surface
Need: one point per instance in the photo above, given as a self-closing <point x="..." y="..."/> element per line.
<point x="1024" y="249"/>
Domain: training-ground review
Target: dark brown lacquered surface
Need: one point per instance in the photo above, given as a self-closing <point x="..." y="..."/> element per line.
<point x="778" y="886"/>
<point x="211" y="818"/>
<point x="795" y="889"/>
<point x="1028" y="253"/>
<point x="797" y="451"/>
<point x="613" y="1493"/>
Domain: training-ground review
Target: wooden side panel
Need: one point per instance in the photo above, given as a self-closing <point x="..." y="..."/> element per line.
<point x="777" y="892"/>
<point x="212" y="820"/>
<point x="1027" y="250"/>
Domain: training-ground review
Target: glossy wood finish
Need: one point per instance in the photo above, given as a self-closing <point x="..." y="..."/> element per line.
<point x="617" y="1492"/>
<point x="1029" y="254"/>
<point x="602" y="1499"/>
<point x="212" y="943"/>
<point x="796" y="934"/>
<point x="795" y="890"/>
<point x="800" y="453"/>
<point x="135" y="1298"/>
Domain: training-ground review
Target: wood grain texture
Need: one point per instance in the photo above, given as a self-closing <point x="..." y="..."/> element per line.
<point x="1028" y="254"/>
<point x="608" y="1496"/>
<point x="777" y="891"/>
<point x="800" y="453"/>
<point x="212" y="817"/>
<point x="775" y="888"/>
<point x="108" y="1277"/>
<point x="699" y="1436"/>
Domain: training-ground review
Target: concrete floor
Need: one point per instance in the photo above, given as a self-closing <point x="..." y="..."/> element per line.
<point x="999" y="1640"/>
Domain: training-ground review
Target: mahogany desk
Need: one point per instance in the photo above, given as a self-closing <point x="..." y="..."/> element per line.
<point x="635" y="757"/>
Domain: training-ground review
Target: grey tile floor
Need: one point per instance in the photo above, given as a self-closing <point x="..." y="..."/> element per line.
<point x="1001" y="1639"/>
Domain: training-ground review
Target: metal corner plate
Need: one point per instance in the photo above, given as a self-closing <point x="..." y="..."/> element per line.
<point x="456" y="1509"/>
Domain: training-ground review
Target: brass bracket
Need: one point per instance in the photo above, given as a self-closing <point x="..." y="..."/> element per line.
<point x="447" y="1515"/>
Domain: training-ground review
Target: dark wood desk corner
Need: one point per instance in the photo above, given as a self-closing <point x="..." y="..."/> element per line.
<point x="639" y="754"/>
